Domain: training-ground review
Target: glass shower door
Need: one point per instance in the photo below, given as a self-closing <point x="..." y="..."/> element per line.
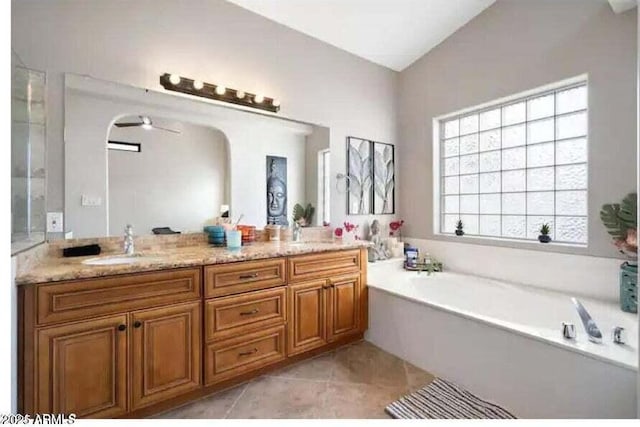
<point x="28" y="178"/>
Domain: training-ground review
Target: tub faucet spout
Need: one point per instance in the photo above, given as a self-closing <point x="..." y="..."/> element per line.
<point x="590" y="326"/>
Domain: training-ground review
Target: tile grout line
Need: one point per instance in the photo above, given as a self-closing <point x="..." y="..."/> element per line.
<point x="233" y="405"/>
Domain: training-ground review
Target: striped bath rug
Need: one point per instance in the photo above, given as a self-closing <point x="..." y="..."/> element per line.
<point x="444" y="399"/>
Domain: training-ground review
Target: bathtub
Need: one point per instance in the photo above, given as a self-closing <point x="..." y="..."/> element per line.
<point x="504" y="342"/>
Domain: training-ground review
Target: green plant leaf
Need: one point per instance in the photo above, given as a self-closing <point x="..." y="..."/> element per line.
<point x="628" y="211"/>
<point x="308" y="213"/>
<point x="298" y="212"/>
<point x="609" y="214"/>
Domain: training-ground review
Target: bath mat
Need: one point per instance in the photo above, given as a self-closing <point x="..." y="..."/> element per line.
<point x="444" y="399"/>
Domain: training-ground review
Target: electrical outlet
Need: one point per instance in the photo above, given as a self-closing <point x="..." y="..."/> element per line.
<point x="55" y="222"/>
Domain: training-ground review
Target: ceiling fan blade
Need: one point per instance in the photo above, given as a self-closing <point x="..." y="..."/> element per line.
<point x="127" y="125"/>
<point x="166" y="129"/>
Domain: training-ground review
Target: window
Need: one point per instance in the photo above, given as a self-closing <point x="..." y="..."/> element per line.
<point x="508" y="168"/>
<point x="124" y="146"/>
<point x="324" y="181"/>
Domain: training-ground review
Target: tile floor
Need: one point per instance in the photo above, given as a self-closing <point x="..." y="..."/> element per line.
<point x="354" y="381"/>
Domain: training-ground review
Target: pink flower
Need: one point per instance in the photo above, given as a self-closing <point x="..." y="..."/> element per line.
<point x="395" y="227"/>
<point x="350" y="227"/>
<point x="338" y="232"/>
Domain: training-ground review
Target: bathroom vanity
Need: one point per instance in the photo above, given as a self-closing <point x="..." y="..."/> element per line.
<point x="133" y="340"/>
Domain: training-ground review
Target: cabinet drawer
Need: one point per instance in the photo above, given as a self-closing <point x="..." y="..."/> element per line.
<point x="323" y="265"/>
<point x="80" y="299"/>
<point x="233" y="315"/>
<point x="245" y="276"/>
<point x="236" y="356"/>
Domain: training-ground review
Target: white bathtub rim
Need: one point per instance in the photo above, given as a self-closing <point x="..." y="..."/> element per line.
<point x="530" y="333"/>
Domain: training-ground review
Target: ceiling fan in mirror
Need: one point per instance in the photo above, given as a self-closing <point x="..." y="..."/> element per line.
<point x="145" y="123"/>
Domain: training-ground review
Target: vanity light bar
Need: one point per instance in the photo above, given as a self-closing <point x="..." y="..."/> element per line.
<point x="202" y="89"/>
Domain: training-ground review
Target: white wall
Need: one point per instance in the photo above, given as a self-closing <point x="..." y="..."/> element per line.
<point x="134" y="42"/>
<point x="91" y="107"/>
<point x="515" y="46"/>
<point x="176" y="180"/>
<point x="595" y="277"/>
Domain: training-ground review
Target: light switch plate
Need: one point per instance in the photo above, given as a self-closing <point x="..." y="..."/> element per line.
<point x="55" y="222"/>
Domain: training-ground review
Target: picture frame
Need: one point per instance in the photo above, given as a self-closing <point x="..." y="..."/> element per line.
<point x="359" y="176"/>
<point x="277" y="194"/>
<point x="383" y="178"/>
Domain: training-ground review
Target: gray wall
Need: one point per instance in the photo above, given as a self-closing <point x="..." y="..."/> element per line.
<point x="176" y="180"/>
<point x="134" y="42"/>
<point x="511" y="47"/>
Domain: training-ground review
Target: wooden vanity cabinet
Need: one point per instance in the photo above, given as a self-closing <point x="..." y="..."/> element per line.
<point x="134" y="344"/>
<point x="81" y="368"/>
<point x="328" y="308"/>
<point x="107" y="366"/>
<point x="165" y="352"/>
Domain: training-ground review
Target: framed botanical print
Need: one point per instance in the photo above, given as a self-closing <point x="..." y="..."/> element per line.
<point x="359" y="176"/>
<point x="383" y="178"/>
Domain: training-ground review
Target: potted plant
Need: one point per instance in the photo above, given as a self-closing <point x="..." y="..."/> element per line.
<point x="459" y="226"/>
<point x="544" y="233"/>
<point x="303" y="216"/>
<point x="621" y="222"/>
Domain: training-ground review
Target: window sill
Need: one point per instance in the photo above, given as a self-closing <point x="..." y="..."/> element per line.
<point x="567" y="248"/>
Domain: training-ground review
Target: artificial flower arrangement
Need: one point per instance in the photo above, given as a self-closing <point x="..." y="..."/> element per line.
<point x="351" y="229"/>
<point x="395" y="228"/>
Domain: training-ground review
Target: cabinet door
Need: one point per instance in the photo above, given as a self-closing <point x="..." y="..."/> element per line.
<point x="165" y="352"/>
<point x="343" y="306"/>
<point x="82" y="368"/>
<point x="306" y="305"/>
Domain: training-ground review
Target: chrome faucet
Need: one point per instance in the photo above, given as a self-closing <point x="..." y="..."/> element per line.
<point x="593" y="332"/>
<point x="128" y="240"/>
<point x="297" y="232"/>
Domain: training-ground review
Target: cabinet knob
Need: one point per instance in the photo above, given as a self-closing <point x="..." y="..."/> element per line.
<point x="122" y="327"/>
<point x="137" y="324"/>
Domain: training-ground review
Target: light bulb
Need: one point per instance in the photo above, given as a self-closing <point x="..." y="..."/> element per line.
<point x="258" y="98"/>
<point x="220" y="90"/>
<point x="174" y="79"/>
<point x="240" y="94"/>
<point x="275" y="102"/>
<point x="146" y="120"/>
<point x="197" y="84"/>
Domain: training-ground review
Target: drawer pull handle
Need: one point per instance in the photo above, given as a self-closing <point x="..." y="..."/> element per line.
<point x="249" y="313"/>
<point x="248" y="276"/>
<point x="248" y="353"/>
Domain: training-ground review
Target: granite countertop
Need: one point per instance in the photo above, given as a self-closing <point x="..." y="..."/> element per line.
<point x="53" y="269"/>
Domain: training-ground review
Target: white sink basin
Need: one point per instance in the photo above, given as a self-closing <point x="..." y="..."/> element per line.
<point x="116" y="260"/>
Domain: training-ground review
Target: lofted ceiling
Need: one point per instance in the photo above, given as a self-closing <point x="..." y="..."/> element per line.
<point x="391" y="33"/>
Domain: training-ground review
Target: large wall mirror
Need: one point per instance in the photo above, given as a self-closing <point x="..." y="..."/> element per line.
<point x="164" y="174"/>
<point x="166" y="163"/>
